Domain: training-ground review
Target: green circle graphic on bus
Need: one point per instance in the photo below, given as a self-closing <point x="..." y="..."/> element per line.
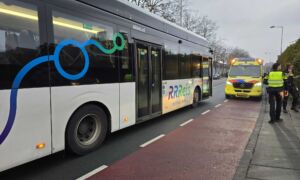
<point x="55" y="58"/>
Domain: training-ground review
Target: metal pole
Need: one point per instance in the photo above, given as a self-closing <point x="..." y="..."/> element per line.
<point x="281" y="39"/>
<point x="281" y="36"/>
<point x="181" y="9"/>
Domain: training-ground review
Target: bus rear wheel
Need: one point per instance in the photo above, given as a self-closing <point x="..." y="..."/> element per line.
<point x="86" y="130"/>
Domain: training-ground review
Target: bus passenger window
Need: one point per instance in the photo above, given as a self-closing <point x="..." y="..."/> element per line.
<point x="205" y="67"/>
<point x="19" y="44"/>
<point x="196" y="66"/>
<point x="185" y="63"/>
<point x="103" y="67"/>
<point x="171" y="64"/>
<point x="126" y="62"/>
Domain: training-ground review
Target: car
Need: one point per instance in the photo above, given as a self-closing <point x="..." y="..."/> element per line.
<point x="216" y="76"/>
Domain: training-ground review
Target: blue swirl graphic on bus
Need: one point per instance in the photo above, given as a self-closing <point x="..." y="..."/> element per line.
<point x="55" y="58"/>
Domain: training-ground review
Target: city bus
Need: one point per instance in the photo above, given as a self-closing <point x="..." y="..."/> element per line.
<point x="245" y="78"/>
<point x="72" y="72"/>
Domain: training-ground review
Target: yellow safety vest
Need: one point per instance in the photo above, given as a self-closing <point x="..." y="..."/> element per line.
<point x="275" y="79"/>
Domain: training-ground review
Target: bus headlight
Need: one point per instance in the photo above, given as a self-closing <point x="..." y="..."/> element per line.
<point x="228" y="83"/>
<point x="258" y="84"/>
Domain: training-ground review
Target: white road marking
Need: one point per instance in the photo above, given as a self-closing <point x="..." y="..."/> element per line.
<point x="218" y="105"/>
<point x="226" y="100"/>
<point x="92" y="172"/>
<point x="205" y="112"/>
<point x="185" y="123"/>
<point x="152" y="140"/>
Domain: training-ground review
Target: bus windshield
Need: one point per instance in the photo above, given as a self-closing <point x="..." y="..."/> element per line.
<point x="245" y="70"/>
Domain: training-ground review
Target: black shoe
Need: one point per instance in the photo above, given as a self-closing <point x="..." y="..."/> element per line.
<point x="295" y="109"/>
<point x="279" y="120"/>
<point x="285" y="111"/>
<point x="271" y="121"/>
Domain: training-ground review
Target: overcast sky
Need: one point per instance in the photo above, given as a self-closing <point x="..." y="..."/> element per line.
<point x="245" y="23"/>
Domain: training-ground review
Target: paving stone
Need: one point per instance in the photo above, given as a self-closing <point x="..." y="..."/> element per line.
<point x="270" y="173"/>
<point x="277" y="157"/>
<point x="276" y="150"/>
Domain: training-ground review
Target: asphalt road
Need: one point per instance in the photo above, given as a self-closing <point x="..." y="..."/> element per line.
<point x="117" y="146"/>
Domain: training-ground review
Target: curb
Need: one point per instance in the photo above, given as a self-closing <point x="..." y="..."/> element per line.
<point x="245" y="161"/>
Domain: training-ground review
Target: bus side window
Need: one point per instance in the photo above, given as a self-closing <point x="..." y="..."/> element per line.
<point x="205" y="66"/>
<point x="185" y="63"/>
<point x="103" y="67"/>
<point x="126" y="62"/>
<point x="196" y="66"/>
<point x="20" y="44"/>
<point x="170" y="62"/>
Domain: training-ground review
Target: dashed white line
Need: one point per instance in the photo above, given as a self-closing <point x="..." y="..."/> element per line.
<point x="92" y="172"/>
<point x="226" y="100"/>
<point x="218" y="105"/>
<point x="152" y="140"/>
<point x="185" y="123"/>
<point x="205" y="112"/>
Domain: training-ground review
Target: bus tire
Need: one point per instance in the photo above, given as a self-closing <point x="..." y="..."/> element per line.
<point x="196" y="97"/>
<point x="86" y="130"/>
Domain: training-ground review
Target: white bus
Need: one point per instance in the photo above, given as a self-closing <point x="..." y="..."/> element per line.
<point x="73" y="71"/>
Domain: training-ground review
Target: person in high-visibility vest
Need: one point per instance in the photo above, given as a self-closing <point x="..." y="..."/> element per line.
<point x="290" y="89"/>
<point x="275" y="81"/>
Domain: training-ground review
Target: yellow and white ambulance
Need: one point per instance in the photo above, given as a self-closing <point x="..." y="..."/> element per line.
<point x="245" y="78"/>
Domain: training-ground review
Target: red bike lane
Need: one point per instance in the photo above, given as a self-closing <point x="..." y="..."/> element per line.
<point x="209" y="147"/>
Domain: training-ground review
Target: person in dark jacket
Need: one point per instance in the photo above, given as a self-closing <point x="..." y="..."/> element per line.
<point x="275" y="81"/>
<point x="290" y="89"/>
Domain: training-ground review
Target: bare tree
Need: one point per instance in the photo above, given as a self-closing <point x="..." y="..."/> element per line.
<point x="153" y="6"/>
<point x="189" y="21"/>
<point x="220" y="56"/>
<point x="167" y="11"/>
<point x="206" y="27"/>
<point x="170" y="10"/>
<point x="140" y="3"/>
<point x="238" y="53"/>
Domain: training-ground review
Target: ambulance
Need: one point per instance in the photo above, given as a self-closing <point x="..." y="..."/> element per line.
<point x="245" y="78"/>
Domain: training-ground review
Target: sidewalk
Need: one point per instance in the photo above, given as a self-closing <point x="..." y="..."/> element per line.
<point x="273" y="151"/>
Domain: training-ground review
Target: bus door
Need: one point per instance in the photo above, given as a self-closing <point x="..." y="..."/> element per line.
<point x="148" y="58"/>
<point x="210" y="76"/>
<point x="207" y="77"/>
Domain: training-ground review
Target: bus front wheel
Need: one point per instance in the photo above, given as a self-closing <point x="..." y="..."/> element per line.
<point x="86" y="130"/>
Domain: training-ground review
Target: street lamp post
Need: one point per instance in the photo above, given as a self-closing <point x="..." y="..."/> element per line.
<point x="181" y="12"/>
<point x="281" y="27"/>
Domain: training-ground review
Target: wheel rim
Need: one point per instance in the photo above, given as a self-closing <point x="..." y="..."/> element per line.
<point x="88" y="129"/>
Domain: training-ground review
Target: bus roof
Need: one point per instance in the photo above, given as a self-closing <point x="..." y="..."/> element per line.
<point x="130" y="11"/>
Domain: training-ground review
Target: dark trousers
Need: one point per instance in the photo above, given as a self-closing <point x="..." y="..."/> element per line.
<point x="293" y="92"/>
<point x="275" y="101"/>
